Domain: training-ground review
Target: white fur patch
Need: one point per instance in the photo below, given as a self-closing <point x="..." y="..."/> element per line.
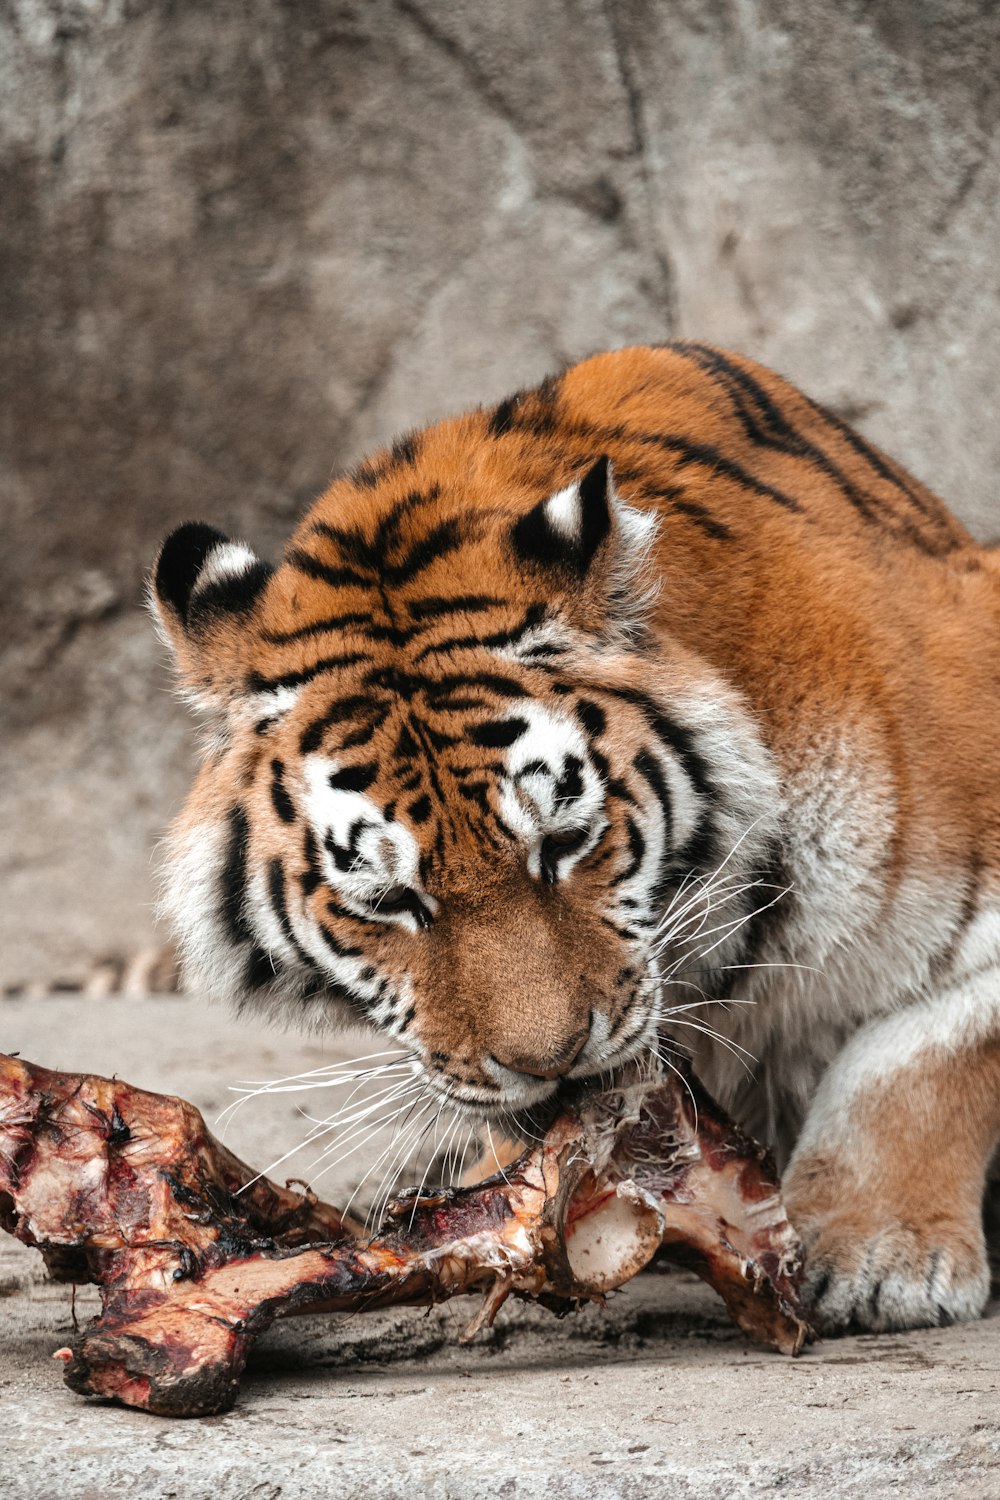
<point x="564" y="513"/>
<point x="529" y="801"/>
<point x="273" y="703"/>
<point x="227" y="560"/>
<point x="383" y="854"/>
<point x="189" y="901"/>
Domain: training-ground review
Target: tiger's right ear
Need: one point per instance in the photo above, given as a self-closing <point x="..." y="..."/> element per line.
<point x="201" y="585"/>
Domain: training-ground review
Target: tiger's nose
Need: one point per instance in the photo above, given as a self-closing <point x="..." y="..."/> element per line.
<point x="536" y="1067"/>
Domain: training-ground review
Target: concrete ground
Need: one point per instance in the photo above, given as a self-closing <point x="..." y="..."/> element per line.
<point x="655" y="1396"/>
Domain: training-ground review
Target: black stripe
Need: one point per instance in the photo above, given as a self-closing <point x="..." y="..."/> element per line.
<point x="435" y="604"/>
<point x="311" y="877"/>
<point x="420" y="810"/>
<point x="387" y="531"/>
<point x="651" y="771"/>
<point x="406" y="747"/>
<point x="591" y="716"/>
<point x="710" y="458"/>
<point x="354" y="778"/>
<point x="233" y="878"/>
<point x="689" y="452"/>
<point x="344" y="915"/>
<point x="773" y="911"/>
<point x="702" y="518"/>
<point x="538" y="412"/>
<point x="942" y="961"/>
<point x="623" y="932"/>
<point x="343" y="709"/>
<point x="570" y="784"/>
<point x="372" y="552"/>
<point x="420" y="728"/>
<point x="345" y="856"/>
<point x="601" y="764"/>
<point x="364" y="734"/>
<point x="477" y="792"/>
<point x="259" y="969"/>
<point x="497" y="734"/>
<point x="318" y="627"/>
<point x="257" y="684"/>
<point x="783" y="437"/>
<point x="372" y="470"/>
<point x="928" y="507"/>
<point x="491" y="682"/>
<point x="406" y="447"/>
<point x="438" y="739"/>
<point x="532" y="617"/>
<point x="637" y="849"/>
<point x="675" y="736"/>
<point x="440" y="542"/>
<point x="366" y="475"/>
<point x="283" y="804"/>
<point x="787" y="438"/>
<point x="341" y="950"/>
<point x="503" y="415"/>
<point x="618" y="789"/>
<point x="336" y="578"/>
<point x="276" y="892"/>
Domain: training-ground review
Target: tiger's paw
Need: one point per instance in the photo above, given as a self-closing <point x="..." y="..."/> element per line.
<point x="892" y="1276"/>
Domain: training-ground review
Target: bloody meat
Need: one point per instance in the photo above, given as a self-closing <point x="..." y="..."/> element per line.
<point x="195" y="1255"/>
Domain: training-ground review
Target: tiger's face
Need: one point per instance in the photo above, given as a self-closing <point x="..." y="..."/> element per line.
<point x="455" y="807"/>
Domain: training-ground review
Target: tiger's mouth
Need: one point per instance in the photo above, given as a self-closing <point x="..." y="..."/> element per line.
<point x="538" y="1100"/>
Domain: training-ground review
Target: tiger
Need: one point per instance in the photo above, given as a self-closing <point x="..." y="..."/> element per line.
<point x="652" y="702"/>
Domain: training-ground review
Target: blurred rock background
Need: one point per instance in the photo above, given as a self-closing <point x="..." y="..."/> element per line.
<point x="243" y="241"/>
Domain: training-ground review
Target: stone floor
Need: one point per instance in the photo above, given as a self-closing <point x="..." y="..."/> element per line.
<point x="655" y="1396"/>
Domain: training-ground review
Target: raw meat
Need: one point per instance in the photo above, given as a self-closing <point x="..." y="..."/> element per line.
<point x="195" y="1256"/>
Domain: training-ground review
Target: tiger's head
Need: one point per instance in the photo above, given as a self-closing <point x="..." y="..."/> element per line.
<point x="453" y="775"/>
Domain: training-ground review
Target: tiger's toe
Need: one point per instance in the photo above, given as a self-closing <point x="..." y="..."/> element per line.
<point x="897" y="1276"/>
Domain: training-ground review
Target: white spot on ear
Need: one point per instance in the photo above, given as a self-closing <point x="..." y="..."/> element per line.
<point x="227" y="560"/>
<point x="564" y="513"/>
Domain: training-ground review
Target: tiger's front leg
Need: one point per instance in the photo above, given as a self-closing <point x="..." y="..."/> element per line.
<point x="886" y="1182"/>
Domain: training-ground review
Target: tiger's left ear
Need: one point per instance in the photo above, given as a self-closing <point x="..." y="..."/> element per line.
<point x="566" y="530"/>
<point x="588" y="536"/>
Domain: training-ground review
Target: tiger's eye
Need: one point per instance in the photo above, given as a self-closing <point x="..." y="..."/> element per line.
<point x="556" y="846"/>
<point x="398" y="899"/>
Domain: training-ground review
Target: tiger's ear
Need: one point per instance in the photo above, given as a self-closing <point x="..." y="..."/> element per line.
<point x="588" y="536"/>
<point x="566" y="530"/>
<point x="201" y="585"/>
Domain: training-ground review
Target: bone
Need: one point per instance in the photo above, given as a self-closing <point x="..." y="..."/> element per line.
<point x="195" y="1254"/>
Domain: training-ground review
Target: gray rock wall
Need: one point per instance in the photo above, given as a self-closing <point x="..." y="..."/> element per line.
<point x="243" y="241"/>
